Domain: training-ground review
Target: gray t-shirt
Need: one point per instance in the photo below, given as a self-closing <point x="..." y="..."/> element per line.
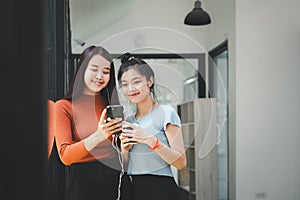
<point x="142" y="160"/>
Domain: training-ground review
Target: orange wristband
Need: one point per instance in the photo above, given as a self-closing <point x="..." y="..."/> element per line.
<point x="155" y="146"/>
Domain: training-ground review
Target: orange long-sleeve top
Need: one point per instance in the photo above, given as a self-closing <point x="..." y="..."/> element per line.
<point x="50" y="126"/>
<point x="75" y="121"/>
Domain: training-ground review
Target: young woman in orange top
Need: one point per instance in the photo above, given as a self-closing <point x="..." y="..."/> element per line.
<point x="83" y="137"/>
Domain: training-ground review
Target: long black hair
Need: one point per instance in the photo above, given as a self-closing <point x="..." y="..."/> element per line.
<point x="109" y="93"/>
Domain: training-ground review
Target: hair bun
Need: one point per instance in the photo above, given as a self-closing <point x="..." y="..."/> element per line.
<point x="126" y="57"/>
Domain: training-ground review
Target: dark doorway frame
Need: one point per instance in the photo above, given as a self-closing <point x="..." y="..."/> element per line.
<point x="199" y="56"/>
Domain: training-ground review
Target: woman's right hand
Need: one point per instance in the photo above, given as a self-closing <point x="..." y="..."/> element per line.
<point x="110" y="127"/>
<point x="104" y="130"/>
<point x="126" y="143"/>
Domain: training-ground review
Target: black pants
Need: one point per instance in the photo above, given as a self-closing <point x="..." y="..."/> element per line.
<point x="150" y="187"/>
<point x="96" y="181"/>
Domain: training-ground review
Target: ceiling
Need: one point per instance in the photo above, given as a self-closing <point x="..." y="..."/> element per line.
<point x="88" y="17"/>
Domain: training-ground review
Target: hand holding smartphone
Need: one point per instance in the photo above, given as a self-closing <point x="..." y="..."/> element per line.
<point x="113" y="112"/>
<point x="129" y="141"/>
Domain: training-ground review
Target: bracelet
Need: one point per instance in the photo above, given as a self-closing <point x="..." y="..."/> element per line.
<point x="156" y="145"/>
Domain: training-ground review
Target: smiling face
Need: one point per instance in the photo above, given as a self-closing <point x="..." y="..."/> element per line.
<point x="97" y="74"/>
<point x="135" y="86"/>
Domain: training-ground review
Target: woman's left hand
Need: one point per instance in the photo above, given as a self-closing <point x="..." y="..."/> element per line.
<point x="137" y="134"/>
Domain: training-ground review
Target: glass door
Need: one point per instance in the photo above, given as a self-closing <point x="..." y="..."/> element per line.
<point x="218" y="88"/>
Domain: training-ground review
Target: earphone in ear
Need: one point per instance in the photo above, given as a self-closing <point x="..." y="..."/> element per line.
<point x="150" y="82"/>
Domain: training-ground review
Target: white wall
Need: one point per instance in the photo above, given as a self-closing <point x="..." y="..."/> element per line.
<point x="264" y="44"/>
<point x="267" y="99"/>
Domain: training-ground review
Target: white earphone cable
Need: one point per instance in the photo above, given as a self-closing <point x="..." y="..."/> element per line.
<point x="114" y="142"/>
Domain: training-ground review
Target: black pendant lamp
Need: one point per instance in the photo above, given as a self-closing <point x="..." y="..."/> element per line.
<point x="197" y="16"/>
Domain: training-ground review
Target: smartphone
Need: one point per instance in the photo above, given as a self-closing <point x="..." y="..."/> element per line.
<point x="114" y="111"/>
